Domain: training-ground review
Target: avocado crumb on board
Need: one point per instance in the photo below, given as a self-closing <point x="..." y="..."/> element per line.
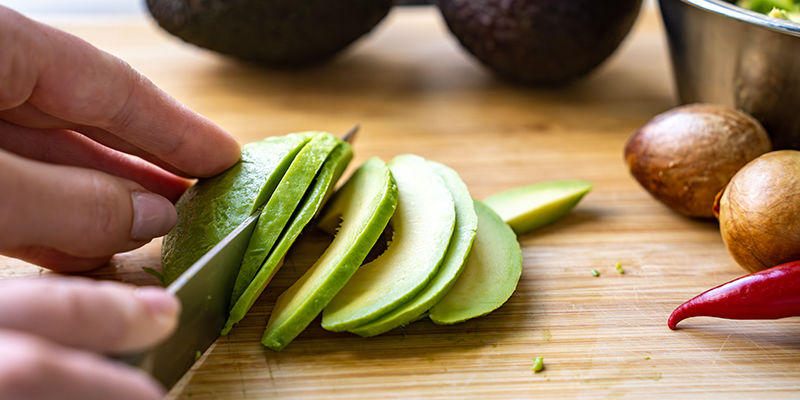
<point x="595" y="273"/>
<point x="538" y="364"/>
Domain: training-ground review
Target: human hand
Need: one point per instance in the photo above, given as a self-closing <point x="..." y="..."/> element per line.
<point x="69" y="112"/>
<point x="51" y="330"/>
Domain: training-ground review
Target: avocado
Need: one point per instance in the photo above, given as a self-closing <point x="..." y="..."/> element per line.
<point x="324" y="182"/>
<point x="491" y="275"/>
<point x="365" y="204"/>
<point x="281" y="205"/>
<point x="454" y="261"/>
<point x="423" y="225"/>
<point x="275" y="33"/>
<point x="213" y="207"/>
<point x="531" y="207"/>
<point x="540" y="42"/>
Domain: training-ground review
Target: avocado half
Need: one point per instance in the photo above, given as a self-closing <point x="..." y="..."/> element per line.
<point x="540" y="42"/>
<point x="275" y="33"/>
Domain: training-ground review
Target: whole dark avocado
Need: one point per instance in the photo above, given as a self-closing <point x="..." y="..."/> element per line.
<point x="540" y="42"/>
<point x="275" y="33"/>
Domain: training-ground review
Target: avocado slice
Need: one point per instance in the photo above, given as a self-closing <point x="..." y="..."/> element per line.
<point x="490" y="277"/>
<point x="213" y="207"/>
<point x="281" y="206"/>
<point x="312" y="203"/>
<point x="365" y="204"/>
<point x="423" y="225"/>
<point x="455" y="259"/>
<point x="531" y="207"/>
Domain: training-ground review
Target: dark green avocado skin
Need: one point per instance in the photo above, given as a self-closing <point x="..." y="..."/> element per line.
<point x="275" y="33"/>
<point x="540" y="42"/>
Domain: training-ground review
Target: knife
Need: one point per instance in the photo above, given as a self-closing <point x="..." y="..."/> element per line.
<point x="204" y="291"/>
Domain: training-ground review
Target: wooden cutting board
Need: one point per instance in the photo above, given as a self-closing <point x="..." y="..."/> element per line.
<point x="413" y="89"/>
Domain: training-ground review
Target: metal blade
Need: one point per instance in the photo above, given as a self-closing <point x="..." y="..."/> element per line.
<point x="204" y="291"/>
<point x="350" y="135"/>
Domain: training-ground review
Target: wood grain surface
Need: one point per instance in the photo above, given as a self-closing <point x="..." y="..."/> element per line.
<point x="412" y="89"/>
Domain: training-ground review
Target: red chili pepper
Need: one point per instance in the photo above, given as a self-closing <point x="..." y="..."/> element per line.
<point x="769" y="294"/>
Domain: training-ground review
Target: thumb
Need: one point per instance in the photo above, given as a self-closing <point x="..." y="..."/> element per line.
<point x="76" y="211"/>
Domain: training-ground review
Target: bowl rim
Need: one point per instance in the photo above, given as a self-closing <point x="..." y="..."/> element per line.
<point x="733" y="11"/>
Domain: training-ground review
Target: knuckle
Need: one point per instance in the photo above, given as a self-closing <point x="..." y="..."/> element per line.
<point x="126" y="111"/>
<point x="17" y="78"/>
<point x="113" y="331"/>
<point x="96" y="305"/>
<point x="105" y="226"/>
<point x="120" y="113"/>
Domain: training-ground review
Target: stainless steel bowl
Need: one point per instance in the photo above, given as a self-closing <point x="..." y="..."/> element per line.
<point x="727" y="55"/>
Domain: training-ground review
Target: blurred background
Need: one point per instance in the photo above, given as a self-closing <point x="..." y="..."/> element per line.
<point x="61" y="7"/>
<point x="49" y="7"/>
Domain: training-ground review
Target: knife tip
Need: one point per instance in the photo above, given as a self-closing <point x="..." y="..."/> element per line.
<point x="349" y="136"/>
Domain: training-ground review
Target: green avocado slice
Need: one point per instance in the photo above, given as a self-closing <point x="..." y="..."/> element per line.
<point x="213" y="207"/>
<point x="280" y="207"/>
<point x="452" y="265"/>
<point x="423" y="225"/>
<point x="531" y="207"/>
<point x="365" y="204"/>
<point x="325" y="181"/>
<point x="490" y="277"/>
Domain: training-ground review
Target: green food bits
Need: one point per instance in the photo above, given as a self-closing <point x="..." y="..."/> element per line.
<point x="778" y="13"/>
<point x="595" y="273"/>
<point x="538" y="364"/>
<point x="780" y="9"/>
<point x="619" y="269"/>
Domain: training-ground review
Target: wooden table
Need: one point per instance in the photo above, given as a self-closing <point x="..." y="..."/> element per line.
<point x="413" y="89"/>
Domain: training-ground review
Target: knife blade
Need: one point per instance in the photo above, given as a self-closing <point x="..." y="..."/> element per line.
<point x="204" y="291"/>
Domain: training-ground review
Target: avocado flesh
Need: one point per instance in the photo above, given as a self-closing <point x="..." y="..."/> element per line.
<point x="423" y="225"/>
<point x="281" y="205"/>
<point x="455" y="259"/>
<point x="274" y="33"/>
<point x="312" y="203"/>
<point x="213" y="207"/>
<point x="365" y="204"/>
<point x="531" y="207"/>
<point x="490" y="276"/>
<point x="540" y="42"/>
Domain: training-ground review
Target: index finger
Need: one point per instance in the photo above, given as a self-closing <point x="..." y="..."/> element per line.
<point x="70" y="79"/>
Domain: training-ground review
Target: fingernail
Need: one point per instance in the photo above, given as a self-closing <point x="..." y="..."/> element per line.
<point x="162" y="305"/>
<point x="153" y="216"/>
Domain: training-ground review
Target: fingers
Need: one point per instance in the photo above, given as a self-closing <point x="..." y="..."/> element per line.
<point x="70" y="148"/>
<point x="104" y="92"/>
<point x="31" y="117"/>
<point x="81" y="212"/>
<point x="32" y="368"/>
<point x="106" y="317"/>
<point x="56" y="260"/>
